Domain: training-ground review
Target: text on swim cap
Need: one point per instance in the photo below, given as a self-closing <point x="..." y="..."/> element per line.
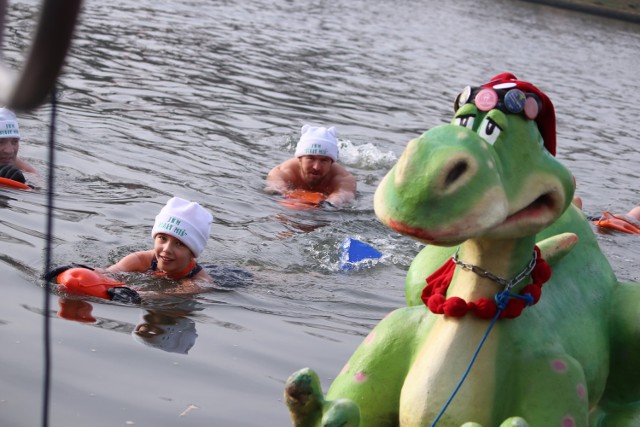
<point x="172" y="225"/>
<point x="10" y="129"/>
<point x="316" y="149"/>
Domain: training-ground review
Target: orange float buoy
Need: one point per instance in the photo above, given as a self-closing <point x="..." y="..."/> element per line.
<point x="82" y="281"/>
<point x="10" y="183"/>
<point x="303" y="199"/>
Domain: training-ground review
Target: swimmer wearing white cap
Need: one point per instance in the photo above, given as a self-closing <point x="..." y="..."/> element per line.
<point x="180" y="234"/>
<point x="314" y="168"/>
<point x="10" y="142"/>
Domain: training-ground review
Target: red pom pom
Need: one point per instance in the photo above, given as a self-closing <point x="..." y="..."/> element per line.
<point x="513" y="309"/>
<point x="542" y="272"/>
<point x="534" y="290"/>
<point x="435" y="303"/>
<point x="485" y="308"/>
<point x="455" y="307"/>
<point x="434" y="294"/>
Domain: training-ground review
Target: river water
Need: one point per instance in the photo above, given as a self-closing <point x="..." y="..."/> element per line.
<point x="199" y="99"/>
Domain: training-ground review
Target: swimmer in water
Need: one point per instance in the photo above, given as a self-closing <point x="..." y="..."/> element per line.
<point x="314" y="168"/>
<point x="180" y="234"/>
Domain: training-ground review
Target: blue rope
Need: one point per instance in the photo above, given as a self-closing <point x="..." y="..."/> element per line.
<point x="502" y="299"/>
<point x="473" y="359"/>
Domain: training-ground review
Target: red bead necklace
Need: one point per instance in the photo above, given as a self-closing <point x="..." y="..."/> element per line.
<point x="434" y="294"/>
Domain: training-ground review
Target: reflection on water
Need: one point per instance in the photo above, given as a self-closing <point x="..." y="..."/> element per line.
<point x="75" y="309"/>
<point x="166" y="331"/>
<point x="298" y="223"/>
<point x="200" y="100"/>
<point x="168" y="328"/>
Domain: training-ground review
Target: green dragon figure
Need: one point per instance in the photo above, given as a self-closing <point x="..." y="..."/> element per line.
<point x="521" y="320"/>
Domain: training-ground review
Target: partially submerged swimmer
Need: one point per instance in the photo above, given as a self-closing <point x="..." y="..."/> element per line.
<point x="180" y="234"/>
<point x="12" y="168"/>
<point x="314" y="169"/>
<point x="10" y="142"/>
<point x="625" y="223"/>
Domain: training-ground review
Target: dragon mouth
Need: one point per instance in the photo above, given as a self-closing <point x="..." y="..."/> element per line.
<point x="544" y="207"/>
<point x="542" y="211"/>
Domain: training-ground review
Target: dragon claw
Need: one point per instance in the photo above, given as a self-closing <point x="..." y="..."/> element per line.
<point x="304" y="398"/>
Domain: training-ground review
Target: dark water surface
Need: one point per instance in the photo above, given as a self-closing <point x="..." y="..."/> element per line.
<point x="200" y="99"/>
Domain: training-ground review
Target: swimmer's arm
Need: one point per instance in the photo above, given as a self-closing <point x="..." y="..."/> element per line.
<point x="280" y="178"/>
<point x="203" y="277"/>
<point x="198" y="284"/>
<point x="137" y="262"/>
<point x="345" y="188"/>
<point x="635" y="213"/>
<point x="25" y="167"/>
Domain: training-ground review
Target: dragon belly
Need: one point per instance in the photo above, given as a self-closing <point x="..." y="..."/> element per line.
<point x="439" y="366"/>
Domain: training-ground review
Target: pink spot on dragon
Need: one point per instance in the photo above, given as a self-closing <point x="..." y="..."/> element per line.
<point x="514" y="316"/>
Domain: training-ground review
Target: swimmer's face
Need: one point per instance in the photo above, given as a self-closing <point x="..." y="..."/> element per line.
<point x="314" y="168"/>
<point x="9" y="150"/>
<point x="173" y="256"/>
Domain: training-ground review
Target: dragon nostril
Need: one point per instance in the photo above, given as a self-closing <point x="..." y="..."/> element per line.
<point x="456" y="172"/>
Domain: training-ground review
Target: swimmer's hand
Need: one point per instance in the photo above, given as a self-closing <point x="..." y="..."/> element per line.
<point x="124" y="295"/>
<point x="51" y="275"/>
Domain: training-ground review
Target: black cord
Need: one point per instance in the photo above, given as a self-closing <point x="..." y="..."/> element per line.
<point x="47" y="264"/>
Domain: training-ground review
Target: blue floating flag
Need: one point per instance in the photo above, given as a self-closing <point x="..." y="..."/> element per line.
<point x="353" y="251"/>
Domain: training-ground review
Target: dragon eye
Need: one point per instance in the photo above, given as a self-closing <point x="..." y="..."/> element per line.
<point x="489" y="131"/>
<point x="464" y="121"/>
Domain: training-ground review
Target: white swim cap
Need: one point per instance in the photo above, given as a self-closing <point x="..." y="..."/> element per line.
<point x="186" y="221"/>
<point x="8" y="124"/>
<point x="318" y="141"/>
